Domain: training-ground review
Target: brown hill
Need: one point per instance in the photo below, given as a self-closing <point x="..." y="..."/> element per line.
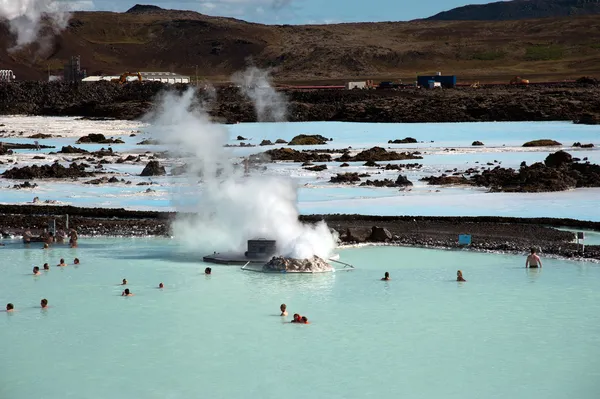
<point x="519" y="9"/>
<point x="149" y="39"/>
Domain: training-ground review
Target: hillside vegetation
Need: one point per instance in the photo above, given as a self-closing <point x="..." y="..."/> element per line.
<point x="178" y="41"/>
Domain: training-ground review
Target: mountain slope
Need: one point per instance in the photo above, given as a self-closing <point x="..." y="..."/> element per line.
<point x="185" y="42"/>
<point x="519" y="9"/>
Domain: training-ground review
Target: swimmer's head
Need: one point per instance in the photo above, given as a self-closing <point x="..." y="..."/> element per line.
<point x="459" y="273"/>
<point x="46" y="246"/>
<point x="126" y="291"/>
<point x="124" y="281"/>
<point x="46" y="266"/>
<point x="208" y="270"/>
<point x="76" y="261"/>
<point x="10" y="306"/>
<point x="44" y="302"/>
<point x="533" y="251"/>
<point x="387" y="275"/>
<point x="62" y="260"/>
<point x="36" y="269"/>
<point x="296" y="317"/>
<point x="304" y="319"/>
<point x="161" y="285"/>
<point x="283" y="307"/>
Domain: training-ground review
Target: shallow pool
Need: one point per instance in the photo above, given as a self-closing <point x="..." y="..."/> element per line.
<point x="506" y="333"/>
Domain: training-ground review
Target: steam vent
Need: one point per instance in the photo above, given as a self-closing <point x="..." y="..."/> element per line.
<point x="259" y="251"/>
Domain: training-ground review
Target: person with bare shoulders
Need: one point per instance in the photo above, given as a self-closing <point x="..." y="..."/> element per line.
<point x="161" y="285"/>
<point x="304" y="320"/>
<point x="208" y="270"/>
<point x="76" y="261"/>
<point x="124" y="282"/>
<point x="36" y="271"/>
<point x="459" y="276"/>
<point x="46" y="266"/>
<point x="126" y="292"/>
<point x="10" y="307"/>
<point x="386" y="277"/>
<point x="62" y="263"/>
<point x="44" y="303"/>
<point x="533" y="260"/>
<point x="296" y="319"/>
<point x="283" y="309"/>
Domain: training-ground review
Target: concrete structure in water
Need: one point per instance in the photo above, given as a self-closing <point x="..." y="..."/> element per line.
<point x="259" y="251"/>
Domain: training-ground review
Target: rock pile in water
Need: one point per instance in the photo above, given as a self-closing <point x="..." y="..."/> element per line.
<point x="289" y="265"/>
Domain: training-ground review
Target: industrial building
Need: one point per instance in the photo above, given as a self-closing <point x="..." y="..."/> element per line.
<point x="165" y="77"/>
<point x="72" y="70"/>
<point x="7" y="75"/>
<point x="437" y="80"/>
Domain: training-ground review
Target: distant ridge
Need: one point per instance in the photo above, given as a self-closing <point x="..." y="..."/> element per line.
<point x="519" y="9"/>
<point x="144" y="8"/>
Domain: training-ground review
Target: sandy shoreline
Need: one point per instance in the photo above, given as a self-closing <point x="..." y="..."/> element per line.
<point x="498" y="234"/>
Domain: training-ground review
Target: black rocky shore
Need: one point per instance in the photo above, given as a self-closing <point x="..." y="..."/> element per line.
<point x="578" y="102"/>
<point x="514" y="235"/>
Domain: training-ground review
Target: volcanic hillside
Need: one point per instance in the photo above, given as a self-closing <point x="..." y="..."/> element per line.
<point x="153" y="39"/>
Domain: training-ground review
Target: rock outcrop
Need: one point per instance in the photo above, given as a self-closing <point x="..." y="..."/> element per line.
<point x="308" y="139"/>
<point x="477" y="143"/>
<point x="54" y="171"/>
<point x="98" y="138"/>
<point x="289" y="154"/>
<point x="345" y="178"/>
<point x="153" y="168"/>
<point x="377" y="154"/>
<point x="542" y="143"/>
<point x="407" y="140"/>
<point x="289" y="265"/>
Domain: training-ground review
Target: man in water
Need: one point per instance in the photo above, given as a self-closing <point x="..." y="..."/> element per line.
<point x="161" y="285"/>
<point x="283" y="308"/>
<point x="533" y="261"/>
<point x="44" y="303"/>
<point x="126" y="292"/>
<point x="46" y="266"/>
<point x="36" y="271"/>
<point x="76" y="261"/>
<point x="386" y="277"/>
<point x="208" y="270"/>
<point x="459" y="276"/>
<point x="296" y="319"/>
<point x="10" y="307"/>
<point x="124" y="282"/>
<point x="62" y="263"/>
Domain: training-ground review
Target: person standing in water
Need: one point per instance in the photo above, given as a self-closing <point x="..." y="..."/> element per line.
<point x="283" y="309"/>
<point x="459" y="276"/>
<point x="533" y="260"/>
<point x="386" y="277"/>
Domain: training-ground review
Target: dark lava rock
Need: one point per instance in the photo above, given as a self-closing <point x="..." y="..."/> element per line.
<point x="557" y="173"/>
<point x="98" y="139"/>
<point x="289" y="154"/>
<point x="130" y="158"/>
<point x="345" y="178"/>
<point x="54" y="171"/>
<point x="316" y="168"/>
<point x="344" y="165"/>
<point x="379" y="154"/>
<point x="101" y="180"/>
<point x="39" y="157"/>
<point x="153" y="168"/>
<point x="400" y="166"/>
<point x="542" y="143"/>
<point x="371" y="164"/>
<point x="266" y="142"/>
<point x="557" y="159"/>
<point x="72" y="150"/>
<point x="578" y="144"/>
<point x="149" y="142"/>
<point x="588" y="119"/>
<point x="25" y="185"/>
<point x="406" y="140"/>
<point x="403" y="181"/>
<point x="477" y="143"/>
<point x="21" y="146"/>
<point x="241" y="138"/>
<point x="307" y="164"/>
<point x="40" y="136"/>
<point x="308" y="139"/>
<point x="104" y="153"/>
<point x="444" y="180"/>
<point x="280" y="141"/>
<point x="113" y="180"/>
<point x="380" y="234"/>
<point x="356" y="234"/>
<point x="379" y="183"/>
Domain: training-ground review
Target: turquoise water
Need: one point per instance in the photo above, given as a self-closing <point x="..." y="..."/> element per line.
<point x="506" y="333"/>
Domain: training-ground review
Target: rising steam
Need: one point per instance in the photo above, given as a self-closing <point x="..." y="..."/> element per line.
<point x="270" y="105"/>
<point x="25" y="19"/>
<point x="229" y="208"/>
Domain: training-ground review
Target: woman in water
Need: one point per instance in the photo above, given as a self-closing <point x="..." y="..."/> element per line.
<point x="296" y="319"/>
<point x="10" y="307"/>
<point x="44" y="303"/>
<point x="459" y="276"/>
<point x="533" y="260"/>
<point x="124" y="282"/>
<point x="386" y="277"/>
<point x="46" y="266"/>
<point x="76" y="261"/>
<point x="208" y="270"/>
<point x="161" y="285"/>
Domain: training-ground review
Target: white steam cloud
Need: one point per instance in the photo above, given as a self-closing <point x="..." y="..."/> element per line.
<point x="229" y="208"/>
<point x="270" y="105"/>
<point x="26" y="17"/>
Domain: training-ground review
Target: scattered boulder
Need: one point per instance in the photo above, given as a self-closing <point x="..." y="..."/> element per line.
<point x="344" y="165"/>
<point x="149" y="142"/>
<point x="558" y="159"/>
<point x="266" y="142"/>
<point x="289" y="265"/>
<point x="407" y="140"/>
<point x="578" y="144"/>
<point x="40" y="136"/>
<point x="153" y="168"/>
<point x="308" y="139"/>
<point x="380" y="234"/>
<point x="345" y="178"/>
<point x="379" y="183"/>
<point x="289" y="154"/>
<point x="98" y="138"/>
<point x="403" y="181"/>
<point x="477" y="143"/>
<point x="72" y="150"/>
<point x="400" y="166"/>
<point x="371" y="164"/>
<point x="54" y="171"/>
<point x="379" y="154"/>
<point x="280" y="141"/>
<point x="356" y="235"/>
<point x="445" y="180"/>
<point x="241" y="138"/>
<point x="39" y="157"/>
<point x="542" y="143"/>
<point x="317" y="168"/>
<point x="25" y="185"/>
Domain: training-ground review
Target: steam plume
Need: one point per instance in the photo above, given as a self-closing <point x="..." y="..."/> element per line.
<point x="270" y="105"/>
<point x="230" y="208"/>
<point x="25" y="19"/>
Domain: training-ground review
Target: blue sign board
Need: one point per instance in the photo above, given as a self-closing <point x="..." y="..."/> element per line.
<point x="464" y="239"/>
